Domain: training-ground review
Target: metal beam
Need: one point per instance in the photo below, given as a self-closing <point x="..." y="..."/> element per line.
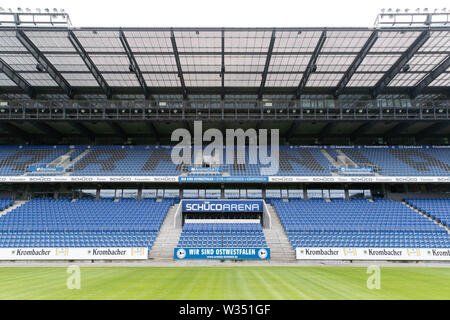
<point x="431" y="130"/>
<point x="397" y="129"/>
<point x="134" y="65"/>
<point x="117" y="129"/>
<point x="327" y="129"/>
<point x="222" y="69"/>
<point x="14" y="131"/>
<point x="82" y="129"/>
<point x="266" y="66"/>
<point x="90" y="65"/>
<point x="51" y="132"/>
<point x="356" y="63"/>
<point x="433" y="75"/>
<point x="45" y="63"/>
<point x="362" y="129"/>
<point x="154" y="132"/>
<point x="311" y="65"/>
<point x="180" y="70"/>
<point x="400" y="63"/>
<point x="292" y="128"/>
<point x="17" y="79"/>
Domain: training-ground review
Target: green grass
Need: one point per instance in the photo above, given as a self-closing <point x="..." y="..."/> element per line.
<point x="225" y="283"/>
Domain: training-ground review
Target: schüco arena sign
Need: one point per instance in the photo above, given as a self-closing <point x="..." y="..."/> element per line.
<point x="222" y="206"/>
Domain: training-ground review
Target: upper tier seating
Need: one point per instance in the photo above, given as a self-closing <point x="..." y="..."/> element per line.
<point x="357" y="223"/>
<point x="135" y="161"/>
<point x="403" y="162"/>
<point x="15" y="160"/>
<point x="222" y="235"/>
<point x="438" y="209"/>
<point x="84" y="222"/>
<point x="293" y="161"/>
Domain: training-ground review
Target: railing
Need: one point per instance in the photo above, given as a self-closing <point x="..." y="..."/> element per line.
<point x="314" y="109"/>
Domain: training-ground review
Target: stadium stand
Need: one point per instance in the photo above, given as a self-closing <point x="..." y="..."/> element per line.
<point x="15" y="160"/>
<point x="44" y="222"/>
<point x="438" y="209"/>
<point x="357" y="223"/>
<point x="218" y="235"/>
<point x="293" y="161"/>
<point x="132" y="161"/>
<point x="5" y="203"/>
<point x="403" y="162"/>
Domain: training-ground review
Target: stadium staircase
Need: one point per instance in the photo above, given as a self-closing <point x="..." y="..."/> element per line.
<point x="70" y="164"/>
<point x="426" y="216"/>
<point x="167" y="238"/>
<point x="17" y="204"/>
<point x="277" y="239"/>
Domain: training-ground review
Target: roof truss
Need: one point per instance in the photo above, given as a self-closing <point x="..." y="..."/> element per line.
<point x="90" y="64"/>
<point x="134" y="67"/>
<point x="45" y="63"/>
<point x="311" y="65"/>
<point x="400" y="63"/>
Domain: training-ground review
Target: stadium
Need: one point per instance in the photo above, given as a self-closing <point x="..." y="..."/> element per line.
<point x="355" y="120"/>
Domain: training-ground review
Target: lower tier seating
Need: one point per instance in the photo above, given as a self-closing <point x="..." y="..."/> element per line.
<point x="369" y="239"/>
<point x="358" y="223"/>
<point x="222" y="235"/>
<point x="44" y="222"/>
<point x="438" y="209"/>
<point x="77" y="239"/>
<point x="5" y="203"/>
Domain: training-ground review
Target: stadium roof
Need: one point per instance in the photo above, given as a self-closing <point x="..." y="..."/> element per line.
<point x="259" y="61"/>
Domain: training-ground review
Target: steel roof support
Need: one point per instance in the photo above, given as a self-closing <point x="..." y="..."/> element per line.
<point x="14" y="131"/>
<point x="45" y="63"/>
<point x="81" y="128"/>
<point x="433" y="75"/>
<point x="46" y="129"/>
<point x="362" y="129"/>
<point x="266" y="66"/>
<point x="433" y="129"/>
<point x="134" y="67"/>
<point x="397" y="129"/>
<point x="400" y="63"/>
<point x="222" y="69"/>
<point x="180" y="70"/>
<point x="154" y="132"/>
<point x="311" y="65"/>
<point x="117" y="129"/>
<point x="90" y="65"/>
<point x="356" y="63"/>
<point x="17" y="79"/>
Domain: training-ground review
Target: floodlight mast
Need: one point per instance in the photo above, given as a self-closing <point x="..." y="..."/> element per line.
<point x="420" y="18"/>
<point x="37" y="18"/>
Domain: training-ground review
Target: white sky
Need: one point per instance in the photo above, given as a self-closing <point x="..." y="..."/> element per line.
<point x="224" y="13"/>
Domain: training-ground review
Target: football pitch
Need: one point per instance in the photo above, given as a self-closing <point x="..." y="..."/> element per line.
<point x="185" y="283"/>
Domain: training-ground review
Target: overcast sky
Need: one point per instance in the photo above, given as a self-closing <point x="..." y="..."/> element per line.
<point x="224" y="13"/>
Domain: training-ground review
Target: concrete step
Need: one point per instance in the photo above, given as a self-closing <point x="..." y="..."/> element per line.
<point x="16" y="205"/>
<point x="167" y="239"/>
<point x="277" y="239"/>
<point x="426" y="216"/>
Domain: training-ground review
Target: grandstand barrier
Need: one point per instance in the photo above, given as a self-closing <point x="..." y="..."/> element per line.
<point x="73" y="253"/>
<point x="417" y="254"/>
<point x="270" y="179"/>
<point x="222" y="253"/>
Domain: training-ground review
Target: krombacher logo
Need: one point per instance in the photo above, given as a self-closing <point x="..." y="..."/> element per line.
<point x="32" y="252"/>
<point x="108" y="252"/>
